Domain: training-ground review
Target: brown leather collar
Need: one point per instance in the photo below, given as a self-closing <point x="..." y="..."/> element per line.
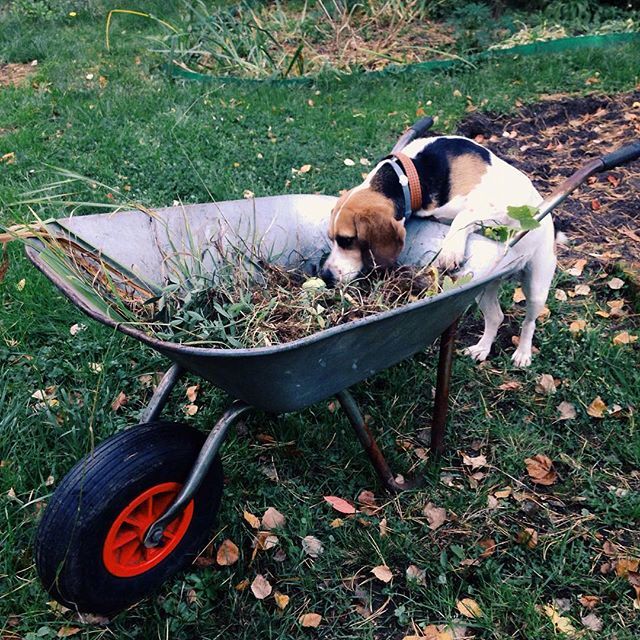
<point x="415" y="189"/>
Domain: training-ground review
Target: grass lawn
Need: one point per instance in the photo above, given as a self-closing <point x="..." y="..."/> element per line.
<point x="118" y="119"/>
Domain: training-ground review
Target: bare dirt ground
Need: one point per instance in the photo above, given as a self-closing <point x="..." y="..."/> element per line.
<point x="553" y="138"/>
<point x="14" y="73"/>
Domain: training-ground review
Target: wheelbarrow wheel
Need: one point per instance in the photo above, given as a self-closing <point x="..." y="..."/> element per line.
<point x="89" y="547"/>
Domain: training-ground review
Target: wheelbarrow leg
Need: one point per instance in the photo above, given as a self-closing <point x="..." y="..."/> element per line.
<point x="160" y="396"/>
<point x="370" y="445"/>
<point x="443" y="383"/>
<point x="208" y="452"/>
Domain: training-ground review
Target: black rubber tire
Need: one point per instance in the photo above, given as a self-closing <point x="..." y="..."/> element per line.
<point x="70" y="538"/>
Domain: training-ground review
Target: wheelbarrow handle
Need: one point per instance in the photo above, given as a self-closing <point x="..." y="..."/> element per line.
<point x="621" y="156"/>
<point x="416" y="130"/>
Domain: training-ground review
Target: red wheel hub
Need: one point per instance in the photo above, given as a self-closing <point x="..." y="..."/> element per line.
<point x="124" y="553"/>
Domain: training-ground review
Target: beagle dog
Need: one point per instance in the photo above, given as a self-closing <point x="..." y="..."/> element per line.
<point x="453" y="180"/>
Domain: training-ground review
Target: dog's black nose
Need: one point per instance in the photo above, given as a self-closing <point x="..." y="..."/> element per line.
<point x="328" y="277"/>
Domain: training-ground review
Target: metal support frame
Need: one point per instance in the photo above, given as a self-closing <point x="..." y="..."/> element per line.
<point x="440" y="408"/>
<point x="198" y="472"/>
<point x="161" y="395"/>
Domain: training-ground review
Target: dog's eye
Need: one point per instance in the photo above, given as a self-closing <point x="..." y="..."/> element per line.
<point x="345" y="242"/>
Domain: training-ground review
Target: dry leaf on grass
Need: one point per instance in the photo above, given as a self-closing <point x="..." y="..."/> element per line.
<point x="383" y="528"/>
<point x="253" y="521"/>
<point x="260" y="587"/>
<point x="312" y="620"/>
<point x="227" y="554"/>
<point x="560" y="295"/>
<point x="336" y="522"/>
<point x="560" y="623"/>
<point x="469" y="608"/>
<point x="546" y="384"/>
<point x="281" y="599"/>
<point x="190" y="409"/>
<point x="582" y="289"/>
<point x="528" y="537"/>
<point x="475" y="462"/>
<point x="312" y="546"/>
<point x="624" y="337"/>
<point x="368" y="502"/>
<point x="518" y="295"/>
<point x="120" y="401"/>
<point x="383" y="573"/>
<point x="589" y="602"/>
<point x="65" y="632"/>
<point x="577" y="326"/>
<point x="488" y="546"/>
<point x="615" y="284"/>
<point x="348" y="162"/>
<point x="625" y="566"/>
<point x="540" y="470"/>
<point x="340" y="505"/>
<point x="242" y="585"/>
<point x="305" y="168"/>
<point x="273" y="519"/>
<point x="436" y="516"/>
<point x="414" y="574"/>
<point x="577" y="268"/>
<point x="597" y="408"/>
<point x="510" y="385"/>
<point x="592" y="622"/>
<point x="192" y="392"/>
<point x="566" y="410"/>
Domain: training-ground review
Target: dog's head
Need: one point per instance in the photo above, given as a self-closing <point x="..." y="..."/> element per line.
<point x="365" y="234"/>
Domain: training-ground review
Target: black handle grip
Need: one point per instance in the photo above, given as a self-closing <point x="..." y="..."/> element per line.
<point x="422" y="126"/>
<point x="621" y="156"/>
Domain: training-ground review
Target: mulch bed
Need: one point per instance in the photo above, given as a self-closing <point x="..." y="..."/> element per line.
<point x="549" y="141"/>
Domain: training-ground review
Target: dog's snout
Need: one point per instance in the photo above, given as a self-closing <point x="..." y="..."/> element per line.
<point x="328" y="277"/>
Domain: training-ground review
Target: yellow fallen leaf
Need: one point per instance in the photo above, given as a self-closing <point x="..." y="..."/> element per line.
<point x="577" y="268"/>
<point x="577" y="326"/>
<point x="597" y="408"/>
<point x="281" y="599"/>
<point x="469" y="608"/>
<point x="624" y="337"/>
<point x="561" y="624"/>
<point x="192" y="392"/>
<point x="253" y="521"/>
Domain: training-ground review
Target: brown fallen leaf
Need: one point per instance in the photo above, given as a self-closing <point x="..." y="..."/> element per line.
<point x="273" y="519"/>
<point x="227" y="554"/>
<point x="120" y="401"/>
<point x="190" y="409"/>
<point x="368" y="502"/>
<point x="546" y="384"/>
<point x="488" y="546"/>
<point x="503" y="493"/>
<point x="528" y="537"/>
<point x="436" y="516"/>
<point x="591" y="622"/>
<point x="469" y="608"/>
<point x="541" y="470"/>
<point x="615" y="284"/>
<point x="281" y="599"/>
<point x="242" y="585"/>
<point x="312" y="620"/>
<point x="475" y="462"/>
<point x="383" y="528"/>
<point x="577" y="268"/>
<point x="383" y="573"/>
<point x="560" y="295"/>
<point x="192" y="393"/>
<point x="518" y="295"/>
<point x="510" y="385"/>
<point x="597" y="408"/>
<point x="578" y="326"/>
<point x="624" y="566"/>
<point x="312" y="546"/>
<point x="624" y="337"/>
<point x="566" y="410"/>
<point x="65" y="632"/>
<point x="305" y="168"/>
<point x="337" y="522"/>
<point x="340" y="505"/>
<point x="260" y="587"/>
<point x="589" y="602"/>
<point x="253" y="521"/>
<point x="414" y="574"/>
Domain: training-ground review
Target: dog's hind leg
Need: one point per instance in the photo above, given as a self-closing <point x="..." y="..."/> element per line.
<point x="538" y="275"/>
<point x="493" y="317"/>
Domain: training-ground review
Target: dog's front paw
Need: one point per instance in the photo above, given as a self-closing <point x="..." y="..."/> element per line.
<point x="478" y="352"/>
<point x="521" y="357"/>
<point x="451" y="255"/>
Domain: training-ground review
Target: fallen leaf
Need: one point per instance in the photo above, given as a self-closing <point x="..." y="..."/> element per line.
<point x="337" y="522"/>
<point x="251" y="519"/>
<point x="310" y="620"/>
<point x="624" y="566"/>
<point x="560" y="295"/>
<point x="577" y="268"/>
<point x="340" y="505"/>
<point x="561" y="624"/>
<point x="475" y="462"/>
<point x="592" y="622"/>
<point x="615" y="284"/>
<point x="546" y="384"/>
<point x="365" y="162"/>
<point x="414" y="574"/>
<point x="242" y="585"/>
<point x="305" y="168"/>
<point x="595" y="204"/>
<point x="589" y="602"/>
<point x="566" y="410"/>
<point x="264" y="541"/>
<point x="65" y="632"/>
<point x="624" y="337"/>
<point x="120" y="401"/>
<point x="312" y="546"/>
<point x="192" y="392"/>
<point x="597" y="408"/>
<point x="582" y="289"/>
<point x="349" y="162"/>
<point x="469" y="608"/>
<point x="247" y="194"/>
<point x="528" y="537"/>
<point x="540" y="470"/>
<point x="436" y="516"/>
<point x="577" y="326"/>
<point x="383" y="528"/>
<point x="510" y="385"/>
<point x="191" y="596"/>
<point x="273" y="519"/>
<point x="227" y="554"/>
<point x="383" y="573"/>
<point x="190" y="409"/>
<point x="368" y="500"/>
<point x="518" y="295"/>
<point x="281" y="599"/>
<point x="616" y="307"/>
<point x="260" y="587"/>
<point x="75" y="329"/>
<point x="488" y="546"/>
<point x="503" y="493"/>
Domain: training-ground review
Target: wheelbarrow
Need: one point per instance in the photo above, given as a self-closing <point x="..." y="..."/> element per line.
<point x="142" y="504"/>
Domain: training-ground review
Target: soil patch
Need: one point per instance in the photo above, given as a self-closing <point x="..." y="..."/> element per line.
<point x="14" y="73"/>
<point x="550" y="140"/>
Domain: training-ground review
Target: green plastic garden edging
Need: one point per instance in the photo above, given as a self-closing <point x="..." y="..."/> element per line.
<point x="534" y="48"/>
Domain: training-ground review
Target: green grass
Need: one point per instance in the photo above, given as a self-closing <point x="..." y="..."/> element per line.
<point x="172" y="141"/>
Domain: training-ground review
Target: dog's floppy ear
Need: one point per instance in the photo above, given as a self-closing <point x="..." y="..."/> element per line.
<point x="380" y="235"/>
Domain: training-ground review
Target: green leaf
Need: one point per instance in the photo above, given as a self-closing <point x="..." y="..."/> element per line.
<point x="500" y="233"/>
<point x="524" y="215"/>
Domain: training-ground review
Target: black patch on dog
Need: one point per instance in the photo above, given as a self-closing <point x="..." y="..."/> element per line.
<point x="433" y="167"/>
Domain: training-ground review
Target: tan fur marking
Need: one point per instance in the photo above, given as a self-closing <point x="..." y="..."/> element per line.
<point x="466" y="171"/>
